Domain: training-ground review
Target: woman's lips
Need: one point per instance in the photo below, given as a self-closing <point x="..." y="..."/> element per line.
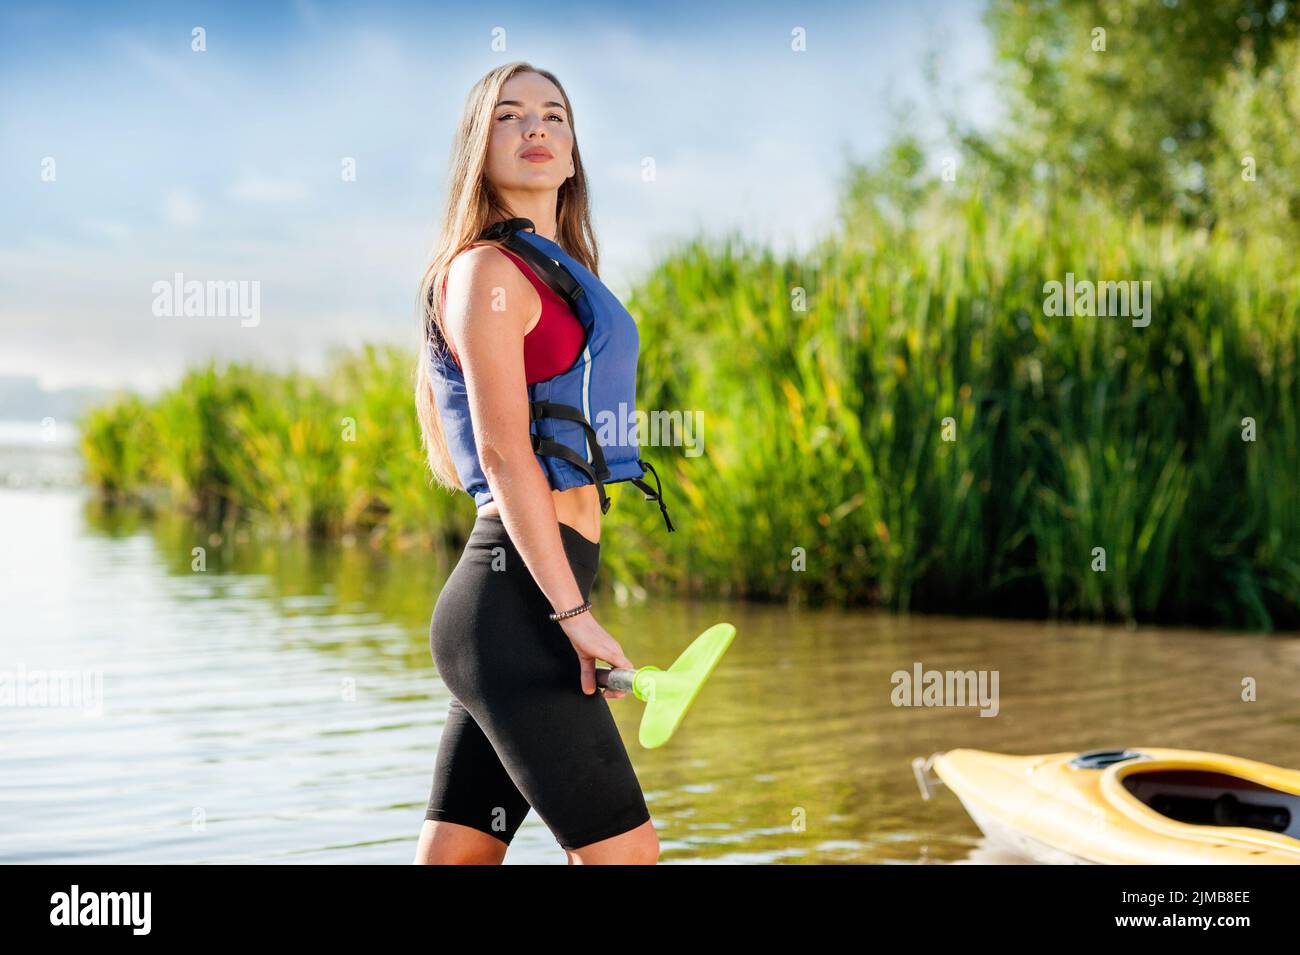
<point x="537" y="155"/>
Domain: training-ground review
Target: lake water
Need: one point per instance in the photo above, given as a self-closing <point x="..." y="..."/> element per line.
<point x="282" y="706"/>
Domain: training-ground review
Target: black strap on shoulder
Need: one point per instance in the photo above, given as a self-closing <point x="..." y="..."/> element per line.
<point x="555" y="275"/>
<point x="505" y="227"/>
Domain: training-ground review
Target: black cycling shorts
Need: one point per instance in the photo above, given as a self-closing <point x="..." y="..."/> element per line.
<point x="520" y="732"/>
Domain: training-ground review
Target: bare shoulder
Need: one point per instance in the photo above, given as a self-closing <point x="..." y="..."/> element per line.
<point x="477" y="272"/>
<point x="484" y="290"/>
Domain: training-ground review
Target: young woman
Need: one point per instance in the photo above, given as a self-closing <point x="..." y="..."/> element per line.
<point x="525" y="350"/>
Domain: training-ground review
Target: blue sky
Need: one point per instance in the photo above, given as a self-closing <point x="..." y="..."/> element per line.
<point x="225" y="164"/>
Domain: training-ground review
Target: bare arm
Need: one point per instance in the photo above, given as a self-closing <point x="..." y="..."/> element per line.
<point x="489" y="304"/>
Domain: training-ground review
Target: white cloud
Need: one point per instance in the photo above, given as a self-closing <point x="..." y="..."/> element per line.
<point x="176" y="69"/>
<point x="181" y="209"/>
<point x="256" y="188"/>
<point x="106" y="229"/>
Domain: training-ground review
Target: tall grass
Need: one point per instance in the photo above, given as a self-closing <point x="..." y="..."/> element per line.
<point x="335" y="454"/>
<point x="824" y="425"/>
<point x="823" y="383"/>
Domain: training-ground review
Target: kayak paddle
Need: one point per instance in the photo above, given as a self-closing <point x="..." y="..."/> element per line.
<point x="668" y="694"/>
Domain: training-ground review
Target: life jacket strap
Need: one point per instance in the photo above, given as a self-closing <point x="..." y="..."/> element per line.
<point x="551" y="409"/>
<point x="657" y="494"/>
<point x="555" y="275"/>
<point x="596" y="469"/>
<point x="556" y="450"/>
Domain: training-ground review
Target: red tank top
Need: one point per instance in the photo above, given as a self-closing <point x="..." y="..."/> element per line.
<point x="554" y="343"/>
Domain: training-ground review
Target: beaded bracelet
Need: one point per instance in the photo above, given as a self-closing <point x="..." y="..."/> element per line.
<point x="571" y="613"/>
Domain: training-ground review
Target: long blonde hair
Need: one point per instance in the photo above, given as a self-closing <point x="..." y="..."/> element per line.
<point x="471" y="206"/>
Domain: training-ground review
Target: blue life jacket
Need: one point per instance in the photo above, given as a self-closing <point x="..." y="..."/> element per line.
<point x="599" y="388"/>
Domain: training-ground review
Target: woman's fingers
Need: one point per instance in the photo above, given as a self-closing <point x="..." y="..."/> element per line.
<point x="614" y="654"/>
<point x="588" y="674"/>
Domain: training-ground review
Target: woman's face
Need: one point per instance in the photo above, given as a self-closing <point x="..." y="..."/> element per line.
<point x="531" y="144"/>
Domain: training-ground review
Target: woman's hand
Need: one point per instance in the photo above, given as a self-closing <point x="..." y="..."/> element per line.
<point x="593" y="642"/>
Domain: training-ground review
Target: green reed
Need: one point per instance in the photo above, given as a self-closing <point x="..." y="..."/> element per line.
<point x="825" y="412"/>
<point x="823" y="383"/>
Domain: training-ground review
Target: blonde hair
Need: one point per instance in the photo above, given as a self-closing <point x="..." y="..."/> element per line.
<point x="471" y="206"/>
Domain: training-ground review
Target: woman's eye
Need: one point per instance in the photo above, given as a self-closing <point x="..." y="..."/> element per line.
<point x="549" y="116"/>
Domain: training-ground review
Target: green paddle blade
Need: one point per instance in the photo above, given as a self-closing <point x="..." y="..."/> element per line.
<point x="668" y="694"/>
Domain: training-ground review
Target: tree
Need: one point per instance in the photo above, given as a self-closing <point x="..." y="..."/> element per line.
<point x="1117" y="97"/>
<point x="1255" y="177"/>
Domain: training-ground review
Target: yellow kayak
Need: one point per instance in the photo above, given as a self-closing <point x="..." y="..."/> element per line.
<point x="1128" y="807"/>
